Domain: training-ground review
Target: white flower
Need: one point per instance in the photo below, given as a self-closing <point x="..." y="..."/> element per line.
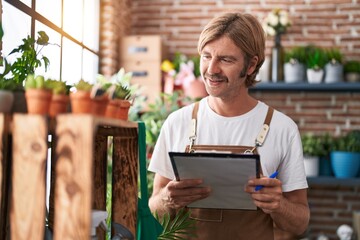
<point x="277" y="21"/>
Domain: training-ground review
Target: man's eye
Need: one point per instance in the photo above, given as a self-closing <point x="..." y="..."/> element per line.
<point x="226" y="60"/>
<point x="206" y="57"/>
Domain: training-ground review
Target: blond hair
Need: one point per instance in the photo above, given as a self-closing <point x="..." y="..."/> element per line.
<point x="245" y="31"/>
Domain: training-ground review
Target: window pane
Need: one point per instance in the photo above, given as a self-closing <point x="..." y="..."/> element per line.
<point x="16" y="26"/>
<point x="50" y="10"/>
<point x="51" y="51"/>
<point x="27" y="2"/>
<point x="91" y="24"/>
<point x="90" y="66"/>
<point x="73" y="18"/>
<point x="71" y="62"/>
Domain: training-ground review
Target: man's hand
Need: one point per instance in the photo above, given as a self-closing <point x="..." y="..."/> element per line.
<point x="269" y="197"/>
<point x="178" y="194"/>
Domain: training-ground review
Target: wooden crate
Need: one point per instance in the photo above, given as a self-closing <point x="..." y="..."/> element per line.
<point x="79" y="160"/>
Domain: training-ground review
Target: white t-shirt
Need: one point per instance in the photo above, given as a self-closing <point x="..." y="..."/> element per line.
<point x="282" y="149"/>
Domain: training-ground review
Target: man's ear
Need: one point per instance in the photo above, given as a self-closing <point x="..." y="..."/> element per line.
<point x="252" y="65"/>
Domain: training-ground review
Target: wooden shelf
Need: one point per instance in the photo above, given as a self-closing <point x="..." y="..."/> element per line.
<point x="308" y="87"/>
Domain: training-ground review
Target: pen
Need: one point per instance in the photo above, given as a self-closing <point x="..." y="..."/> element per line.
<point x="258" y="187"/>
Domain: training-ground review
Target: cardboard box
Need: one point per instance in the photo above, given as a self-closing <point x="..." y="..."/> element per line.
<point x="148" y="75"/>
<point x="141" y="48"/>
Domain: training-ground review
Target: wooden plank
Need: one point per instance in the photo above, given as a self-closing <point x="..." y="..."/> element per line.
<point x="100" y="174"/>
<point x="5" y="163"/>
<point x="27" y="214"/>
<point x="125" y="177"/>
<point x="75" y="135"/>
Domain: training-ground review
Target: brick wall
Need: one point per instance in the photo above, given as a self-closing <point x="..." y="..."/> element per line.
<point x="317" y="112"/>
<point x="332" y="204"/>
<point x="326" y="23"/>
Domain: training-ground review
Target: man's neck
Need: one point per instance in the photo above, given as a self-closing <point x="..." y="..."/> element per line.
<point x="233" y="106"/>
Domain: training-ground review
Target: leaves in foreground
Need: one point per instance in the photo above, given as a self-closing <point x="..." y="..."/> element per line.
<point x="179" y="228"/>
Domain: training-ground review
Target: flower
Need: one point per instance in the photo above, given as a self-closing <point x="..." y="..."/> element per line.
<point x="276" y="22"/>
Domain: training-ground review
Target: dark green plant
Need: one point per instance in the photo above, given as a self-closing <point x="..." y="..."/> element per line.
<point x="178" y="228"/>
<point x="5" y="82"/>
<point x="352" y="66"/>
<point x="316" y="145"/>
<point x="348" y="143"/>
<point x="315" y="57"/>
<point x="333" y="55"/>
<point x="296" y="54"/>
<point x="30" y="58"/>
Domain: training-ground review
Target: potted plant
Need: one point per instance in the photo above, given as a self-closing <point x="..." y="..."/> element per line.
<point x="60" y="97"/>
<point x="120" y="92"/>
<point x="312" y="151"/>
<point x="345" y="156"/>
<point x="80" y="98"/>
<point x="294" y="67"/>
<point x="315" y="62"/>
<point x="352" y="71"/>
<point x="28" y="59"/>
<point x="334" y="69"/>
<point x="37" y="95"/>
<point x="7" y="86"/>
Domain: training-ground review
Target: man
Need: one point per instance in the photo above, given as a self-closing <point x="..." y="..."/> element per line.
<point x="232" y="49"/>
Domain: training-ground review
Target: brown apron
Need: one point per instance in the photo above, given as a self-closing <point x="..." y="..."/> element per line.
<point x="224" y="223"/>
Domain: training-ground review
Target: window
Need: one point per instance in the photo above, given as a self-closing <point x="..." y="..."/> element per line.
<point x="72" y="26"/>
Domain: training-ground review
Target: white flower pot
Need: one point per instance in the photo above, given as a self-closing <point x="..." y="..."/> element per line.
<point x="314" y="76"/>
<point x="294" y="73"/>
<point x="311" y="164"/>
<point x="334" y="73"/>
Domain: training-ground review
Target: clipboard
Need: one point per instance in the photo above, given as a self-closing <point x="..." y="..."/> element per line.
<point x="225" y="173"/>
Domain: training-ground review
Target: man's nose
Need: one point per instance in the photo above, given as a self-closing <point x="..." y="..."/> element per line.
<point x="213" y="67"/>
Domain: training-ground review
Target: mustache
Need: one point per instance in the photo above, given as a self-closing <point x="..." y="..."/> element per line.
<point x="216" y="77"/>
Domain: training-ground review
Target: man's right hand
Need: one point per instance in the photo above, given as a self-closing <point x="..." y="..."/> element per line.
<point x="178" y="194"/>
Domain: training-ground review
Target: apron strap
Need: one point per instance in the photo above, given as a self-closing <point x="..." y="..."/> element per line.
<point x="259" y="141"/>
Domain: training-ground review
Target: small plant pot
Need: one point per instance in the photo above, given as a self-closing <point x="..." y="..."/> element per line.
<point x="123" y="110"/>
<point x="311" y="166"/>
<point x="81" y="102"/>
<point x="59" y="104"/>
<point x="334" y="73"/>
<point x="99" y="105"/>
<point x="38" y="101"/>
<point x="112" y="108"/>
<point x="345" y="164"/>
<point x="6" y="101"/>
<point x="294" y="73"/>
<point x="352" y="77"/>
<point x="315" y="76"/>
<point x="195" y="89"/>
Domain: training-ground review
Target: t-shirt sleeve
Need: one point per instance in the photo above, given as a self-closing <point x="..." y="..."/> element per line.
<point x="291" y="169"/>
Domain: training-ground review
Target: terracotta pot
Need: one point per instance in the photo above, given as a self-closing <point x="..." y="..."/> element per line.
<point x="112" y="108"/>
<point x="123" y="111"/>
<point x="58" y="104"/>
<point x="99" y="105"/>
<point x="81" y="102"/>
<point x="38" y="101"/>
<point x="196" y="89"/>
